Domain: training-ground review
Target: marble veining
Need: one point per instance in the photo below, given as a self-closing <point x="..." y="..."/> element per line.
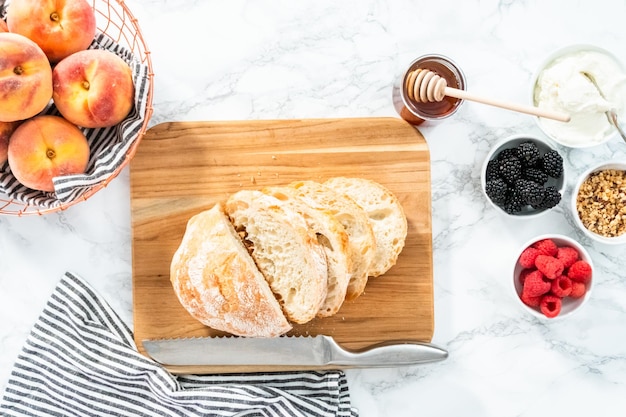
<point x="274" y="59"/>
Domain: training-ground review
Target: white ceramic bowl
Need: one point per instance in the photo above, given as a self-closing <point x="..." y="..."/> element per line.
<point x="511" y="142"/>
<point x="617" y="165"/>
<point x="561" y="53"/>
<point x="568" y="305"/>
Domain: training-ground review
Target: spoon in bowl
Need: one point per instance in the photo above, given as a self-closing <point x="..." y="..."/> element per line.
<point x="611" y="114"/>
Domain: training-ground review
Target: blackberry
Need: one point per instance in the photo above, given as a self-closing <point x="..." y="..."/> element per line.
<point x="552" y="164"/>
<point x="510" y="169"/>
<point x="530" y="192"/>
<point x="528" y="154"/>
<point x="507" y="153"/>
<point x="492" y="170"/>
<point x="496" y="190"/>
<point x="513" y="203"/>
<point x="551" y="197"/>
<point x="536" y="175"/>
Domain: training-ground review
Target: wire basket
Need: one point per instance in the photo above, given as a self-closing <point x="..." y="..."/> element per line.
<point x="112" y="149"/>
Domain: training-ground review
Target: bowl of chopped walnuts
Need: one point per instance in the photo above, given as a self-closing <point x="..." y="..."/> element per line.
<point x="599" y="202"/>
<point x="523" y="176"/>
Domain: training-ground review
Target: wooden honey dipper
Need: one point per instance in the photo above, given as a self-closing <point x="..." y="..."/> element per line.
<point x="426" y="86"/>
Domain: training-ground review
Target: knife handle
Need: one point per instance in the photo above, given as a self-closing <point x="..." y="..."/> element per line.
<point x="399" y="353"/>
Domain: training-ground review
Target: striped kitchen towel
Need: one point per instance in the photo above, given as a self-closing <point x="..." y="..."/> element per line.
<point x="80" y="359"/>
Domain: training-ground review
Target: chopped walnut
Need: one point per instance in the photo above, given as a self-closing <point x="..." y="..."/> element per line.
<point x="601" y="202"/>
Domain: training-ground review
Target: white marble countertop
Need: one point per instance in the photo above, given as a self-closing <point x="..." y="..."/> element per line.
<point x="268" y="59"/>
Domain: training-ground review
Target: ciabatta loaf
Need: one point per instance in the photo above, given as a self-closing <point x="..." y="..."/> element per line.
<point x="386" y="217"/>
<point x="334" y="241"/>
<point x="361" y="240"/>
<point x="285" y="250"/>
<point x="217" y="282"/>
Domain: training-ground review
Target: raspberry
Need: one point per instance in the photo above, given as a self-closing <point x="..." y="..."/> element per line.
<point x="530" y="301"/>
<point x="561" y="286"/>
<point x="535" y="284"/>
<point x="546" y="247"/>
<point x="524" y="274"/>
<point x="550" y="306"/>
<point x="578" y="289"/>
<point x="551" y="267"/>
<point x="580" y="271"/>
<point x="567" y="255"/>
<point x="528" y="256"/>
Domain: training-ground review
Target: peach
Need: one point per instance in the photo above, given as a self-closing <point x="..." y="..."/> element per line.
<point x="25" y="78"/>
<point x="59" y="27"/>
<point x="6" y="130"/>
<point x="45" y="147"/>
<point x="93" y="88"/>
<point x="3" y="26"/>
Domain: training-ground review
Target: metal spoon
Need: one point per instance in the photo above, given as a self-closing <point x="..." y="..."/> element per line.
<point x="610" y="114"/>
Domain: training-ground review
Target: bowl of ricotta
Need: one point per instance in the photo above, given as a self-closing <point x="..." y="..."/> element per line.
<point x="560" y="85"/>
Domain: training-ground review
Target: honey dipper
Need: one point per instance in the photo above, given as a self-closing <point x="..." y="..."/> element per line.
<point x="425" y="86"/>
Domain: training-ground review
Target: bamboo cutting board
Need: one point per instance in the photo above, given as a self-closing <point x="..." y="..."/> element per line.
<point x="182" y="168"/>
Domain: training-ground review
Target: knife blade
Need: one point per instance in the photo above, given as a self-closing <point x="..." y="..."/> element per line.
<point x="288" y="350"/>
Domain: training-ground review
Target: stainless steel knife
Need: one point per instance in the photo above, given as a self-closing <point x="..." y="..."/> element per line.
<point x="288" y="351"/>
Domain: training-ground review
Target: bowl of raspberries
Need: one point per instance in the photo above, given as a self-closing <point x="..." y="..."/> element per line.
<point x="552" y="277"/>
<point x="523" y="176"/>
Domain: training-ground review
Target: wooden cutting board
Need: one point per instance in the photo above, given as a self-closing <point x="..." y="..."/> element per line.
<point x="182" y="168"/>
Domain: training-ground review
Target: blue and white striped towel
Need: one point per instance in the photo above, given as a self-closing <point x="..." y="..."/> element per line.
<point x="80" y="359"/>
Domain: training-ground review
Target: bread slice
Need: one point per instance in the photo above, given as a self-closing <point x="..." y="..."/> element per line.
<point x="386" y="217"/>
<point x="361" y="240"/>
<point x="334" y="241"/>
<point x="217" y="282"/>
<point x="284" y="249"/>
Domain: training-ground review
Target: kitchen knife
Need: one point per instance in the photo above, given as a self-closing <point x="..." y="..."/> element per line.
<point x="288" y="350"/>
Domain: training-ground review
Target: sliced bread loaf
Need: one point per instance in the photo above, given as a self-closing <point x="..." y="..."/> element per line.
<point x="386" y="217"/>
<point x="334" y="241"/>
<point x="361" y="240"/>
<point x="217" y="282"/>
<point x="286" y="252"/>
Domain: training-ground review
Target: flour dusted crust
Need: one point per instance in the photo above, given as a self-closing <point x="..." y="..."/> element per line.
<point x="334" y="242"/>
<point x="285" y="250"/>
<point x="361" y="240"/>
<point x="217" y="282"/>
<point x="386" y="217"/>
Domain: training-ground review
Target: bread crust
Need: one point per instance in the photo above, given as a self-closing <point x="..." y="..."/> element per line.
<point x="217" y="282"/>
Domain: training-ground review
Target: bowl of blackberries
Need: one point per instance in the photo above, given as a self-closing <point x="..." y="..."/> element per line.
<point x="523" y="176"/>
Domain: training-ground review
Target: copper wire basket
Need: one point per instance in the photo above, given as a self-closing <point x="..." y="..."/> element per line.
<point x="115" y="20"/>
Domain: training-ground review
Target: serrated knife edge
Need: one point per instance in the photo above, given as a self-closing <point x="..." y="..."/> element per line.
<point x="305" y="351"/>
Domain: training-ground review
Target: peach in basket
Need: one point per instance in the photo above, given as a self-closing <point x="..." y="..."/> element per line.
<point x="111" y="147"/>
